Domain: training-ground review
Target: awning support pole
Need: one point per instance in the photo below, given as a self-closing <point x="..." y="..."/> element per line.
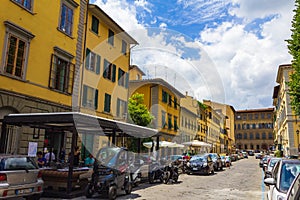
<point x="71" y="165"/>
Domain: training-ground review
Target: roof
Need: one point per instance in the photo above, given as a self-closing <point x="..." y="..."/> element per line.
<point x="280" y="71"/>
<point x="82" y="123"/>
<point x="159" y="81"/>
<point x="137" y="68"/>
<point x="256" y="110"/>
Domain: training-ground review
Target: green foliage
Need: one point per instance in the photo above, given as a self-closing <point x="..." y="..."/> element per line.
<point x="294" y="50"/>
<point x="201" y="105"/>
<point x="138" y="111"/>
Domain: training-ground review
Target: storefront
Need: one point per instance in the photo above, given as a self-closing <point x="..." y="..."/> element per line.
<point x="73" y="124"/>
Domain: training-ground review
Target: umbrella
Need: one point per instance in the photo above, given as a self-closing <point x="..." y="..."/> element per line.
<point x="163" y="144"/>
<point x="196" y="143"/>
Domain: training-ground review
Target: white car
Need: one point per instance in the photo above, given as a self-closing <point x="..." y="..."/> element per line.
<point x="284" y="173"/>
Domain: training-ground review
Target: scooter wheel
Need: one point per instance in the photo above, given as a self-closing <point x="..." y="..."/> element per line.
<point x="166" y="177"/>
<point x="128" y="188"/>
<point x="112" y="192"/>
<point x="89" y="191"/>
<point x="151" y="177"/>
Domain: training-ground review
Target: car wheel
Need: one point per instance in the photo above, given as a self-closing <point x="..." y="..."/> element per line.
<point x="112" y="192"/>
<point x="89" y="190"/>
<point x="33" y="197"/>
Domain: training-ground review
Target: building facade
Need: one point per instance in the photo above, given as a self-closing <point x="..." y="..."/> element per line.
<point x="287" y="124"/>
<point x="40" y="58"/>
<point x="254" y="129"/>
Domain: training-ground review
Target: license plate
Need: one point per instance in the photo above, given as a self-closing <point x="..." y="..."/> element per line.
<point x="195" y="168"/>
<point x="24" y="191"/>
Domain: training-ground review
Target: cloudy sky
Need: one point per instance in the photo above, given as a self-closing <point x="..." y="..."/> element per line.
<point x="227" y="51"/>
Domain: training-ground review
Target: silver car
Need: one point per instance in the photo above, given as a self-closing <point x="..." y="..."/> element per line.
<point x="19" y="177"/>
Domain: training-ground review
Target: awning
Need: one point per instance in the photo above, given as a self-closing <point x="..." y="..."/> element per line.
<point x="83" y="123"/>
<point x="163" y="144"/>
<point x="196" y="143"/>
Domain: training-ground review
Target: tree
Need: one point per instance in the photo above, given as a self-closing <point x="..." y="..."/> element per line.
<point x="138" y="111"/>
<point x="294" y="50"/>
<point x="140" y="115"/>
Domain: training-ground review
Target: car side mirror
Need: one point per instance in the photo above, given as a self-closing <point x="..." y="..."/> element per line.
<point x="269" y="181"/>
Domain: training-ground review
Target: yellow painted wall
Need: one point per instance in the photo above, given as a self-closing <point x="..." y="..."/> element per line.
<point x="43" y="26"/>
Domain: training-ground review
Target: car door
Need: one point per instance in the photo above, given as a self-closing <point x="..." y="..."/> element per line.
<point x="294" y="190"/>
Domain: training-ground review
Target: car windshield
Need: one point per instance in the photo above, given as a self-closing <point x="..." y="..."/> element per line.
<point x="17" y="163"/>
<point x="107" y="156"/>
<point x="198" y="159"/>
<point x="288" y="173"/>
<point x="273" y="162"/>
<point x="175" y="157"/>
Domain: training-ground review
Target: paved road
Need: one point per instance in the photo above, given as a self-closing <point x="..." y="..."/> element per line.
<point x="243" y="181"/>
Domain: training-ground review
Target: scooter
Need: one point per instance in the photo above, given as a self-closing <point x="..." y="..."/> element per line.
<point x="156" y="173"/>
<point x="170" y="173"/>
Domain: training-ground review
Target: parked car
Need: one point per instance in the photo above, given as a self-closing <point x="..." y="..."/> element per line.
<point x="263" y="161"/>
<point x="223" y="159"/>
<point x="258" y="156"/>
<point x="269" y="167"/>
<point x="250" y="152"/>
<point x="245" y="154"/>
<point x="20" y="177"/>
<point x="200" y="164"/>
<point x="284" y="173"/>
<point x="217" y="161"/>
<point x="294" y="190"/>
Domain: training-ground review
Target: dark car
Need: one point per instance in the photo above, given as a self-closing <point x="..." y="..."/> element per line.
<point x="20" y="177"/>
<point x="263" y="161"/>
<point x="283" y="175"/>
<point x="200" y="164"/>
<point x="111" y="173"/>
<point x="217" y="161"/>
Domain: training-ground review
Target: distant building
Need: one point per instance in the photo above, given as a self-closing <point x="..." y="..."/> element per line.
<point x="254" y="129"/>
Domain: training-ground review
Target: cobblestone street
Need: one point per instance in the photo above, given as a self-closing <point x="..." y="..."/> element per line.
<point x="243" y="181"/>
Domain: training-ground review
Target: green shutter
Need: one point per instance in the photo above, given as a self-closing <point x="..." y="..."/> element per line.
<point x="107" y="103"/>
<point x="118" y="107"/>
<point x="119" y="76"/>
<point x="98" y="64"/>
<point x="84" y="98"/>
<point x="126" y="80"/>
<point x="114" y="73"/>
<point x="96" y="99"/>
<point x="105" y="67"/>
<point x="87" y="58"/>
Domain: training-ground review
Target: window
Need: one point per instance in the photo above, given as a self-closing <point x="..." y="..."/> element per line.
<point x="175" y="124"/>
<point x="121" y="108"/>
<point x="170" y="121"/>
<point x="269" y="115"/>
<point x="122" y="77"/>
<point x="245" y="136"/>
<point x="163" y="119"/>
<point x="109" y="71"/>
<point x="270" y="136"/>
<point x="263" y="136"/>
<point x="239" y="126"/>
<point x="246" y="147"/>
<point x="251" y="136"/>
<point x="90" y="97"/>
<point x="262" y="115"/>
<point x="25" y="3"/>
<point x="253" y="126"/>
<point x="111" y="37"/>
<point x="61" y="74"/>
<point x="170" y="100"/>
<point x="256" y="116"/>
<point x="17" y="42"/>
<point x="164" y="96"/>
<point x="66" y="16"/>
<point x="257" y="136"/>
<point x="107" y="102"/>
<point x="95" y="24"/>
<point x="92" y="61"/>
<point x="124" y="47"/>
<point x="250" y="116"/>
<point x="175" y="102"/>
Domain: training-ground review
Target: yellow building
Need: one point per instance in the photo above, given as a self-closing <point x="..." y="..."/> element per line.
<point x="163" y="101"/>
<point x="105" y="74"/>
<point x="202" y="123"/>
<point x="188" y="118"/>
<point x="228" y="116"/>
<point x="287" y="124"/>
<point x="40" y="55"/>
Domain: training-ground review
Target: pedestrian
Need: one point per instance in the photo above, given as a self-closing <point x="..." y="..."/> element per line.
<point x="50" y="156"/>
<point x="41" y="161"/>
<point x="89" y="161"/>
<point x="76" y="157"/>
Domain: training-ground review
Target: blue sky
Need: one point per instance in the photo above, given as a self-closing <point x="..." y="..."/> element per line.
<point x="223" y="50"/>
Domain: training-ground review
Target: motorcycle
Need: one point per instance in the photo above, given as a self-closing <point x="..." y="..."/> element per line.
<point x="170" y="173"/>
<point x="156" y="173"/>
